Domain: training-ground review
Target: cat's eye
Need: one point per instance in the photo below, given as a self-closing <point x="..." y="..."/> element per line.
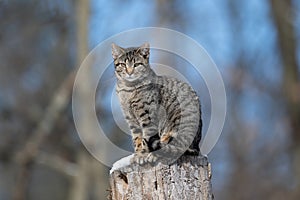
<point x="137" y="64"/>
<point x="121" y="65"/>
<point x="119" y="69"/>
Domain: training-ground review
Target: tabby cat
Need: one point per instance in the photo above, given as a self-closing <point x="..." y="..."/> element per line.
<point x="163" y="113"/>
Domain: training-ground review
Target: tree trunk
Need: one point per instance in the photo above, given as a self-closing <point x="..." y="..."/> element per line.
<point x="284" y="16"/>
<point x="188" y="178"/>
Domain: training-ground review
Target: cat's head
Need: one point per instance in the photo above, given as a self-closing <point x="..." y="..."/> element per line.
<point x="131" y="64"/>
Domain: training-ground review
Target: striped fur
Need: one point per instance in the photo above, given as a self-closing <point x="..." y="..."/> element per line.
<point x="163" y="113"/>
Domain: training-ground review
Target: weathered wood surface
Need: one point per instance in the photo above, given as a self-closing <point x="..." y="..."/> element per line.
<point x="188" y="178"/>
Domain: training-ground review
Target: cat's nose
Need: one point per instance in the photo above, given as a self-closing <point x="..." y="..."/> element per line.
<point x="129" y="70"/>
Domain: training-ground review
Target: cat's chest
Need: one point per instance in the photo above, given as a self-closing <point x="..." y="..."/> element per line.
<point x="135" y="97"/>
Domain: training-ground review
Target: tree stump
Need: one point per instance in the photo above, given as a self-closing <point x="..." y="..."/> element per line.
<point x="188" y="178"/>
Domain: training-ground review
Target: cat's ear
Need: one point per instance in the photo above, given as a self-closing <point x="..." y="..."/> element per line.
<point x="145" y="50"/>
<point x="116" y="50"/>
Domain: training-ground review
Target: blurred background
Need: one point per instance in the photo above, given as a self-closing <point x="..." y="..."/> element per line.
<point x="254" y="43"/>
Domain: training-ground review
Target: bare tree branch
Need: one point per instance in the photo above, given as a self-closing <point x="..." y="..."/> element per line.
<point x="26" y="156"/>
<point x="57" y="163"/>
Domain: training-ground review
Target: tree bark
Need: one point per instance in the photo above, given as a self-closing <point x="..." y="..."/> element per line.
<point x="283" y="19"/>
<point x="188" y="178"/>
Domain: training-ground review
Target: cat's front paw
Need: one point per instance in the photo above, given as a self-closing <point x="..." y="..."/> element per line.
<point x="144" y="147"/>
<point x="137" y="143"/>
<point x="140" y="145"/>
<point x="143" y="159"/>
<point x="151" y="158"/>
<point x="138" y="158"/>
